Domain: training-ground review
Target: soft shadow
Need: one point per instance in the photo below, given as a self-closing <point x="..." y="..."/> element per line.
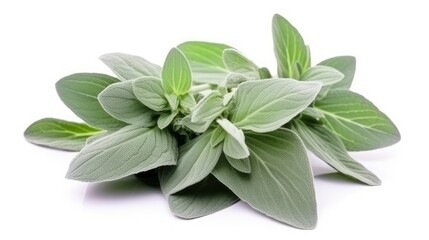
<point x="337" y="177"/>
<point x="119" y="189"/>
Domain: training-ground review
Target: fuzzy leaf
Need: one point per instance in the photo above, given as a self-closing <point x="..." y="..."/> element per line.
<point x="236" y="62"/>
<point x="209" y="108"/>
<point x="176" y="73"/>
<point x="166" y="118"/>
<point x="281" y="182"/>
<point x="120" y="102"/>
<point x="198" y="127"/>
<point x="234" y="144"/>
<point x="327" y="76"/>
<point x="241" y="165"/>
<point x="128" y="151"/>
<point x="128" y="67"/>
<point x="149" y="91"/>
<point x="346" y="65"/>
<point x="289" y="48"/>
<point x="60" y="134"/>
<point x="359" y="124"/>
<point x="264" y="106"/>
<point x="328" y="147"/>
<point x="79" y="92"/>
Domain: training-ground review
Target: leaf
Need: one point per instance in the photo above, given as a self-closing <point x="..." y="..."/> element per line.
<point x="281" y="182"/>
<point x="313" y="112"/>
<point x="218" y="136"/>
<point x="176" y="73"/>
<point x="209" y="108"/>
<point x="201" y="199"/>
<point x="59" y="134"/>
<point x="187" y="101"/>
<point x="166" y="118"/>
<point x="205" y="60"/>
<point x="149" y="91"/>
<point x="125" y="152"/>
<point x="241" y="165"/>
<point x="289" y="48"/>
<point x="234" y="144"/>
<point x="234" y="61"/>
<point x="128" y="67"/>
<point x="197" y="159"/>
<point x="325" y="75"/>
<point x="328" y="147"/>
<point x="79" y="92"/>
<point x="264" y="106"/>
<point x="360" y="125"/>
<point x="264" y="73"/>
<point x="120" y="102"/>
<point x="198" y="127"/>
<point x="173" y="100"/>
<point x="346" y="65"/>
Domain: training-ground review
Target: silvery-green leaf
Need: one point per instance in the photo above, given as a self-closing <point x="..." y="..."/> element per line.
<point x="166" y="118"/>
<point x="281" y="182"/>
<point x="218" y="136"/>
<point x="79" y="92"/>
<point x="188" y="101"/>
<point x="120" y="102"/>
<point x="234" y="61"/>
<point x="289" y="48"/>
<point x="173" y="100"/>
<point x="233" y="79"/>
<point x="234" y="144"/>
<point x="241" y="165"/>
<point x="264" y="73"/>
<point x="60" y="134"/>
<point x="128" y="67"/>
<point x="264" y="106"/>
<point x="149" y="91"/>
<point x="95" y="137"/>
<point x="209" y="108"/>
<point x="197" y="159"/>
<point x="228" y="97"/>
<point x="346" y="65"/>
<point x="313" y="112"/>
<point x="201" y="199"/>
<point x="198" y="127"/>
<point x="206" y="61"/>
<point x="176" y="73"/>
<point x="360" y="125"/>
<point x="128" y="151"/>
<point x="328" y="147"/>
<point x="325" y="75"/>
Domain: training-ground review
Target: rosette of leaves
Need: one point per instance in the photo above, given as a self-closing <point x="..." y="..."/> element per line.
<point x="214" y="128"/>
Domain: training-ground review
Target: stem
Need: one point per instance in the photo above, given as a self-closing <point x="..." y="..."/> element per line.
<point x="201" y="87"/>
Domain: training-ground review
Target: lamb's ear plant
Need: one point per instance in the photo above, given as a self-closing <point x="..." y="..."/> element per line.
<point x="213" y="127"/>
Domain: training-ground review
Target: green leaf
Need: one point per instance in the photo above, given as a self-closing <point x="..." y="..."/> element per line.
<point x="187" y="101"/>
<point x="201" y="199"/>
<point x="360" y="125"/>
<point x="234" y="144"/>
<point x="206" y="61"/>
<point x="327" y="76"/>
<point x="125" y="152"/>
<point x="176" y="73"/>
<point x="241" y="165"/>
<point x="198" y="127"/>
<point x="234" y="61"/>
<point x="120" y="102"/>
<point x="59" y="134"/>
<point x="264" y="106"/>
<point x="79" y="92"/>
<point x="313" y="112"/>
<point x="289" y="48"/>
<point x="209" y="108"/>
<point x="328" y="147"/>
<point x="149" y="91"/>
<point x="173" y="100"/>
<point x="197" y="159"/>
<point x="218" y="136"/>
<point x="264" y="73"/>
<point x="281" y="182"/>
<point x="166" y="118"/>
<point x="128" y="67"/>
<point x="346" y="65"/>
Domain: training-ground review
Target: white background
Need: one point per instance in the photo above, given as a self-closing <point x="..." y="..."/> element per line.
<point x="42" y="41"/>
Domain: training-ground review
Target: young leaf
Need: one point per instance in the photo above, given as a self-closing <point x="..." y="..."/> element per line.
<point x="359" y="124"/>
<point x="79" y="92"/>
<point x="201" y="199"/>
<point x="281" y="182"/>
<point x="327" y="76"/>
<point x="60" y="134"/>
<point x="234" y="61"/>
<point x="289" y="48"/>
<point x="346" y="65"/>
<point x="198" y="127"/>
<point x="128" y="67"/>
<point x="197" y="159"/>
<point x="218" y="136"/>
<point x="120" y="102"/>
<point x="328" y="147"/>
<point x="173" y="100"/>
<point x="128" y="151"/>
<point x="264" y="106"/>
<point x="264" y="73"/>
<point x="176" y="73"/>
<point x="234" y="144"/>
<point x="313" y="112"/>
<point x="209" y="108"/>
<point x="188" y="101"/>
<point x="166" y="118"/>
<point x="241" y="165"/>
<point x="206" y="61"/>
<point x="149" y="91"/>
